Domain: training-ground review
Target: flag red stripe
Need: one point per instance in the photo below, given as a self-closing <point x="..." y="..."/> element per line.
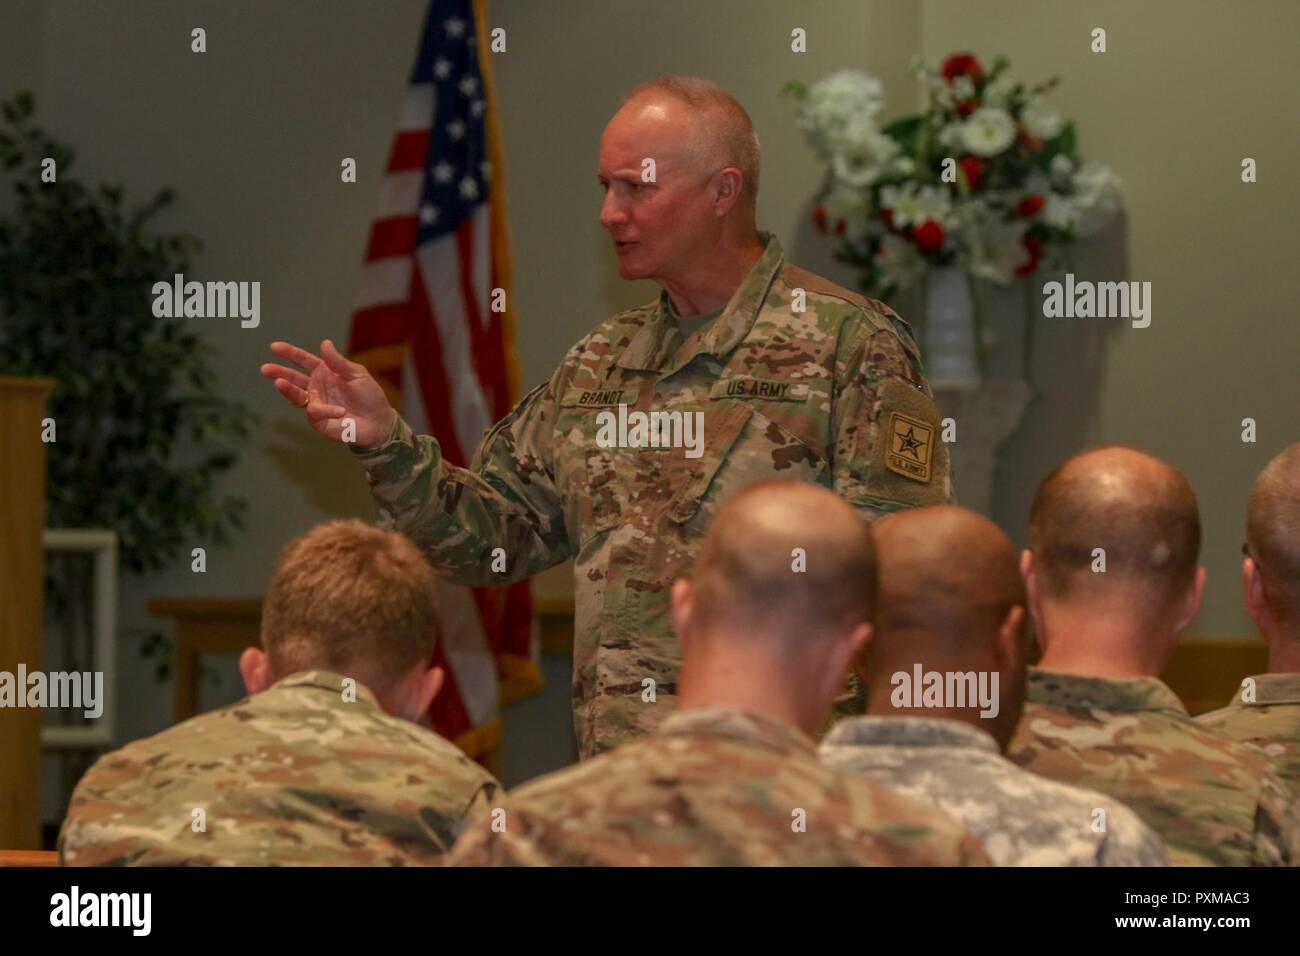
<point x="410" y="151"/>
<point x="395" y="236"/>
<point x="430" y="372"/>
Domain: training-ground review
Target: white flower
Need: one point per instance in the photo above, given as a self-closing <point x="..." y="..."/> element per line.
<point x="911" y="208"/>
<point x="995" y="250"/>
<point x="998" y="91"/>
<point x="963" y="88"/>
<point x="834" y="100"/>
<point x="950" y="137"/>
<point x="1060" y="212"/>
<point x="1097" y="197"/>
<point x="1062" y="166"/>
<point x="904" y="165"/>
<point x="988" y="131"/>
<point x="860" y="152"/>
<point x="1041" y="119"/>
<point x="900" y="263"/>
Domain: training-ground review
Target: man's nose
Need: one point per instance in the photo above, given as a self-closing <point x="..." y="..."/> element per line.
<point x="611" y="214"/>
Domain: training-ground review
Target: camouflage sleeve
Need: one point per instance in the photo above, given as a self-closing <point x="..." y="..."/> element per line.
<point x="1277" y="824"/>
<point x="888" y="453"/>
<point x="1130" y="842"/>
<point x="507" y="498"/>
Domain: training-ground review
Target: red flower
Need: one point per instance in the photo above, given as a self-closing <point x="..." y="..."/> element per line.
<point x="966" y="107"/>
<point x="1030" y="206"/>
<point x="1034" y="246"/>
<point x="928" y="236"/>
<point x="819" y="218"/>
<point x="887" y="217"/>
<point x="973" y="170"/>
<point x="1029" y="144"/>
<point x="962" y="64"/>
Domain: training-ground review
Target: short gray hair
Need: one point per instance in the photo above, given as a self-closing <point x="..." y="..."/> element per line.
<point x="728" y="135"/>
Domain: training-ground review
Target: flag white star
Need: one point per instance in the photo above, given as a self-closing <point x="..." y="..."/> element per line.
<point x="476" y="108"/>
<point x="454" y="27"/>
<point x="444" y="171"/>
<point x="468" y="188"/>
<point x="441" y="67"/>
<point x="467" y="85"/>
<point x="485" y="170"/>
<point x="428" y="214"/>
<point x="456" y="128"/>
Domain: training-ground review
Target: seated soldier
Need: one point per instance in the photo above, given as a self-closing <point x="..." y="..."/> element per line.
<point x="1112" y="580"/>
<point x="324" y="763"/>
<point x="774" y="613"/>
<point x="1266" y="711"/>
<point x="952" y="608"/>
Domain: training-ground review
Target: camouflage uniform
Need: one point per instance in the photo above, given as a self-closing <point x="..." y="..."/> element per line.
<point x="714" y="786"/>
<point x="1213" y="801"/>
<point x="1020" y="818"/>
<point x="295" y="775"/>
<point x="1271" y="722"/>
<point x="832" y="395"/>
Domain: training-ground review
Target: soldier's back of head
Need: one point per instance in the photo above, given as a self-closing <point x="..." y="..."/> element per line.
<point x="778" y="602"/>
<point x="322" y="763"/>
<point x="1112" y="578"/>
<point x="945" y="674"/>
<point x="1265" y="710"/>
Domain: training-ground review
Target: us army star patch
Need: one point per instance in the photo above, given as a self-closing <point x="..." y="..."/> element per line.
<point x="910" y="444"/>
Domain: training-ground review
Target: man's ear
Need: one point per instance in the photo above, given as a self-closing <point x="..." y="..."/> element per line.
<point x="1254" y="584"/>
<point x="842" y="656"/>
<point x="682" y="600"/>
<point x="422" y="693"/>
<point x="255" y="668"/>
<point x="1011" y="643"/>
<point x="1029" y="574"/>
<point x="1192" y="601"/>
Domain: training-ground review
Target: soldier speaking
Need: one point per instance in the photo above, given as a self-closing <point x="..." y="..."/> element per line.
<point x="794" y="377"/>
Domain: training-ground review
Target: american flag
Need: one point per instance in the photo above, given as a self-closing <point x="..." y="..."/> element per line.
<point x="425" y="329"/>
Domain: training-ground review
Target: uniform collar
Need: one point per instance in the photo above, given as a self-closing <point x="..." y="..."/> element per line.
<point x="1271" y="689"/>
<point x="1101" y="693"/>
<point x="656" y="344"/>
<point x="742" y="724"/>
<point x="326" y="680"/>
<point x="909" y="732"/>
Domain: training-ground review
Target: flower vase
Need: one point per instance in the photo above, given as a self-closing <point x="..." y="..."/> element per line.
<point x="949" y="349"/>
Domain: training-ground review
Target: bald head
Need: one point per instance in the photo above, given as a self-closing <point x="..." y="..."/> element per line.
<point x="948" y="578"/>
<point x="708" y="123"/>
<point x="785" y="558"/>
<point x="1273" y="532"/>
<point x="1140" y="511"/>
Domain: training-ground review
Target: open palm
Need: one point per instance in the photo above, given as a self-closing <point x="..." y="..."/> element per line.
<point x="336" y="390"/>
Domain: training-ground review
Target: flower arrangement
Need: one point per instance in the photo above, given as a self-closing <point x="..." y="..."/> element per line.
<point x="987" y="178"/>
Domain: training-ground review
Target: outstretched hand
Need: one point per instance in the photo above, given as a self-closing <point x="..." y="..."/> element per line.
<point x="331" y="389"/>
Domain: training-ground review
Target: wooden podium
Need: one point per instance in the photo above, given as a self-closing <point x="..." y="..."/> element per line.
<point x="22" y="581"/>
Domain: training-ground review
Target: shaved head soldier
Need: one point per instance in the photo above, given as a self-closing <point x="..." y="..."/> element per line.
<point x="1112" y="580"/>
<point x="775" y="611"/>
<point x="745" y="367"/>
<point x="1266" y="711"/>
<point x="951" y="617"/>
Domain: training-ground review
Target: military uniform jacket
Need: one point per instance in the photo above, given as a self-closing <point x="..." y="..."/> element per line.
<point x="1269" y="719"/>
<point x="1020" y="818"/>
<point x="796" y="379"/>
<point x="295" y="775"/>
<point x="1214" y="801"/>
<point x="713" y="786"/>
